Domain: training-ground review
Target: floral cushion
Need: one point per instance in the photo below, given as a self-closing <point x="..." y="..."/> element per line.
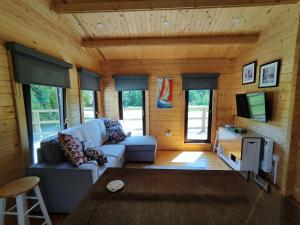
<point x="111" y="123"/>
<point x="72" y="149"/>
<point x="92" y="153"/>
<point x="115" y="134"/>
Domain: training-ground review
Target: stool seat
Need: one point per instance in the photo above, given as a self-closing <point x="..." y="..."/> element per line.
<point x="18" y="187"/>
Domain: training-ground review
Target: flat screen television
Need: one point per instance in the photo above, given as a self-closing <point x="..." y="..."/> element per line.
<point x="253" y="105"/>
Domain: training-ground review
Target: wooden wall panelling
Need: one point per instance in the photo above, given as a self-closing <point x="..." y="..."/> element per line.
<point x="80" y="99"/>
<point x="10" y="155"/>
<point x="277" y="41"/>
<point x="293" y="169"/>
<point x="31" y="23"/>
<point x="161" y="120"/>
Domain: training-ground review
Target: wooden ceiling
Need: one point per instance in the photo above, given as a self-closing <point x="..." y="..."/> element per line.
<point x="209" y="22"/>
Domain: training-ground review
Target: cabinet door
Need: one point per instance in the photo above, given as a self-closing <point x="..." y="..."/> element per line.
<point x="251" y="154"/>
<point x="231" y="143"/>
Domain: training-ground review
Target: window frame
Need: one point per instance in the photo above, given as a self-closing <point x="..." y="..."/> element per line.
<point x="61" y="93"/>
<point x="120" y="103"/>
<point x="208" y="140"/>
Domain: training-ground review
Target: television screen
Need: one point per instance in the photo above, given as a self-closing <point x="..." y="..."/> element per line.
<point x="252" y="105"/>
<point x="242" y="106"/>
<point x="257" y="106"/>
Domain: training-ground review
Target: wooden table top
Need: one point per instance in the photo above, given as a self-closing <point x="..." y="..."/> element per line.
<point x="181" y="197"/>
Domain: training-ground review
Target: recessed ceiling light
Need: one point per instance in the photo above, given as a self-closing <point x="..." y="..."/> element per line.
<point x="235" y="20"/>
<point x="166" y="23"/>
<point x="99" y="26"/>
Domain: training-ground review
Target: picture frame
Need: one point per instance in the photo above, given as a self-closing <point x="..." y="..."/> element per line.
<point x="164" y="93"/>
<point x="269" y="74"/>
<point x="249" y="73"/>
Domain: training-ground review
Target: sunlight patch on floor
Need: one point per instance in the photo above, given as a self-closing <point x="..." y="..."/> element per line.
<point x="187" y="157"/>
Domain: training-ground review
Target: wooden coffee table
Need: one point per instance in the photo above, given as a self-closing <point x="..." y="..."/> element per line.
<point x="181" y="197"/>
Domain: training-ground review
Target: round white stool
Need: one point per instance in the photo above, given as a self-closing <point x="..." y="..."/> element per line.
<point x="18" y="189"/>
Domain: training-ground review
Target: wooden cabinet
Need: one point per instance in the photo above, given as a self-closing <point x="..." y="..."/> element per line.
<point x="240" y="151"/>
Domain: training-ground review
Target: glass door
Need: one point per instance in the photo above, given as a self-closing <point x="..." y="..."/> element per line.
<point x="198" y="116"/>
<point x="132" y="111"/>
<point x="89" y="105"/>
<point x="44" y="107"/>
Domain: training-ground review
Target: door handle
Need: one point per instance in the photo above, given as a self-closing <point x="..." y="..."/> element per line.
<point x="66" y="121"/>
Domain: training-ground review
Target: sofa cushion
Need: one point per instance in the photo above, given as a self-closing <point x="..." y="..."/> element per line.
<point x="112" y="161"/>
<point x="116" y="134"/>
<point x="111" y="123"/>
<point x="103" y="133"/>
<point x="139" y="143"/>
<point x="92" y="133"/>
<point x="114" y="150"/>
<point x="94" y="153"/>
<point x="50" y="151"/>
<point x="72" y="149"/>
<point x="75" y="132"/>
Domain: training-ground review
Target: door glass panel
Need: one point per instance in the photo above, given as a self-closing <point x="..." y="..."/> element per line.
<point x="198" y="119"/>
<point x="46" y="113"/>
<point x="88" y="103"/>
<point x="132" y="106"/>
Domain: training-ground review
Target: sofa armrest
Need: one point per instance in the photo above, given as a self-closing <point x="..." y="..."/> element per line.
<point x="63" y="185"/>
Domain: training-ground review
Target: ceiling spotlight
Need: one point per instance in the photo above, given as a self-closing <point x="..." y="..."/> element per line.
<point x="99" y="26"/>
<point x="235" y="20"/>
<point x="166" y="23"/>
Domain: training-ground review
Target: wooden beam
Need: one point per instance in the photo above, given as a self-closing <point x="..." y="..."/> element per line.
<point x="198" y="40"/>
<point x="144" y="5"/>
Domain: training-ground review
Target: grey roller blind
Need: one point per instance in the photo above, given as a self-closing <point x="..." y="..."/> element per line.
<point x="89" y="80"/>
<point x="193" y="81"/>
<point x="33" y="67"/>
<point x="131" y="82"/>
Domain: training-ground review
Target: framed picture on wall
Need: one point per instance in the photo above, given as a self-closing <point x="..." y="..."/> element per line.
<point x="249" y="73"/>
<point x="164" y="93"/>
<point x="269" y="74"/>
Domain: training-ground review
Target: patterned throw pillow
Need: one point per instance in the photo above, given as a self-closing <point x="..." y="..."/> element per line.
<point x="111" y="123"/>
<point x="115" y="134"/>
<point x="72" y="149"/>
<point x="92" y="153"/>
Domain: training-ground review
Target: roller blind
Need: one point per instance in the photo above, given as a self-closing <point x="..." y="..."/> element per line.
<point x="199" y="81"/>
<point x="33" y="67"/>
<point x="131" y="82"/>
<point x="89" y="80"/>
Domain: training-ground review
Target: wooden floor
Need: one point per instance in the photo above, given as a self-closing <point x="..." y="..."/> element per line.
<point x="193" y="160"/>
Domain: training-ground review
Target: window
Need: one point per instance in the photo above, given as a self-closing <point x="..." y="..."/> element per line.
<point x="89" y="105"/>
<point x="45" y="113"/>
<point x="132" y="111"/>
<point x="198" y="116"/>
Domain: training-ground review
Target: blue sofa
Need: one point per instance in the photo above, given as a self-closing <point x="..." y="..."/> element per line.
<point x="63" y="185"/>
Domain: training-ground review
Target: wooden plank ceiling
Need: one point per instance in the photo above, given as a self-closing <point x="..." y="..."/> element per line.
<point x="178" y="23"/>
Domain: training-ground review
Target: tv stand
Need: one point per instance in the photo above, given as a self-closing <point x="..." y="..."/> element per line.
<point x="241" y="151"/>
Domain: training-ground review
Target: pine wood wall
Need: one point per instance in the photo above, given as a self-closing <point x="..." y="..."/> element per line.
<point x="293" y="170"/>
<point x="277" y="41"/>
<point x="161" y="120"/>
<point x="31" y="23"/>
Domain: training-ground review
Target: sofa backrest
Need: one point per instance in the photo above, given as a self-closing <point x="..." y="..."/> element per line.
<point x="50" y="151"/>
<point x="93" y="131"/>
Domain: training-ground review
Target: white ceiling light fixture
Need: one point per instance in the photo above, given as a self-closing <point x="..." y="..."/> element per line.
<point x="166" y="23"/>
<point x="235" y="20"/>
<point x="99" y="26"/>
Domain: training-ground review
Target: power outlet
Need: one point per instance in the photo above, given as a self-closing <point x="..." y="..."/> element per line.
<point x="168" y="133"/>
